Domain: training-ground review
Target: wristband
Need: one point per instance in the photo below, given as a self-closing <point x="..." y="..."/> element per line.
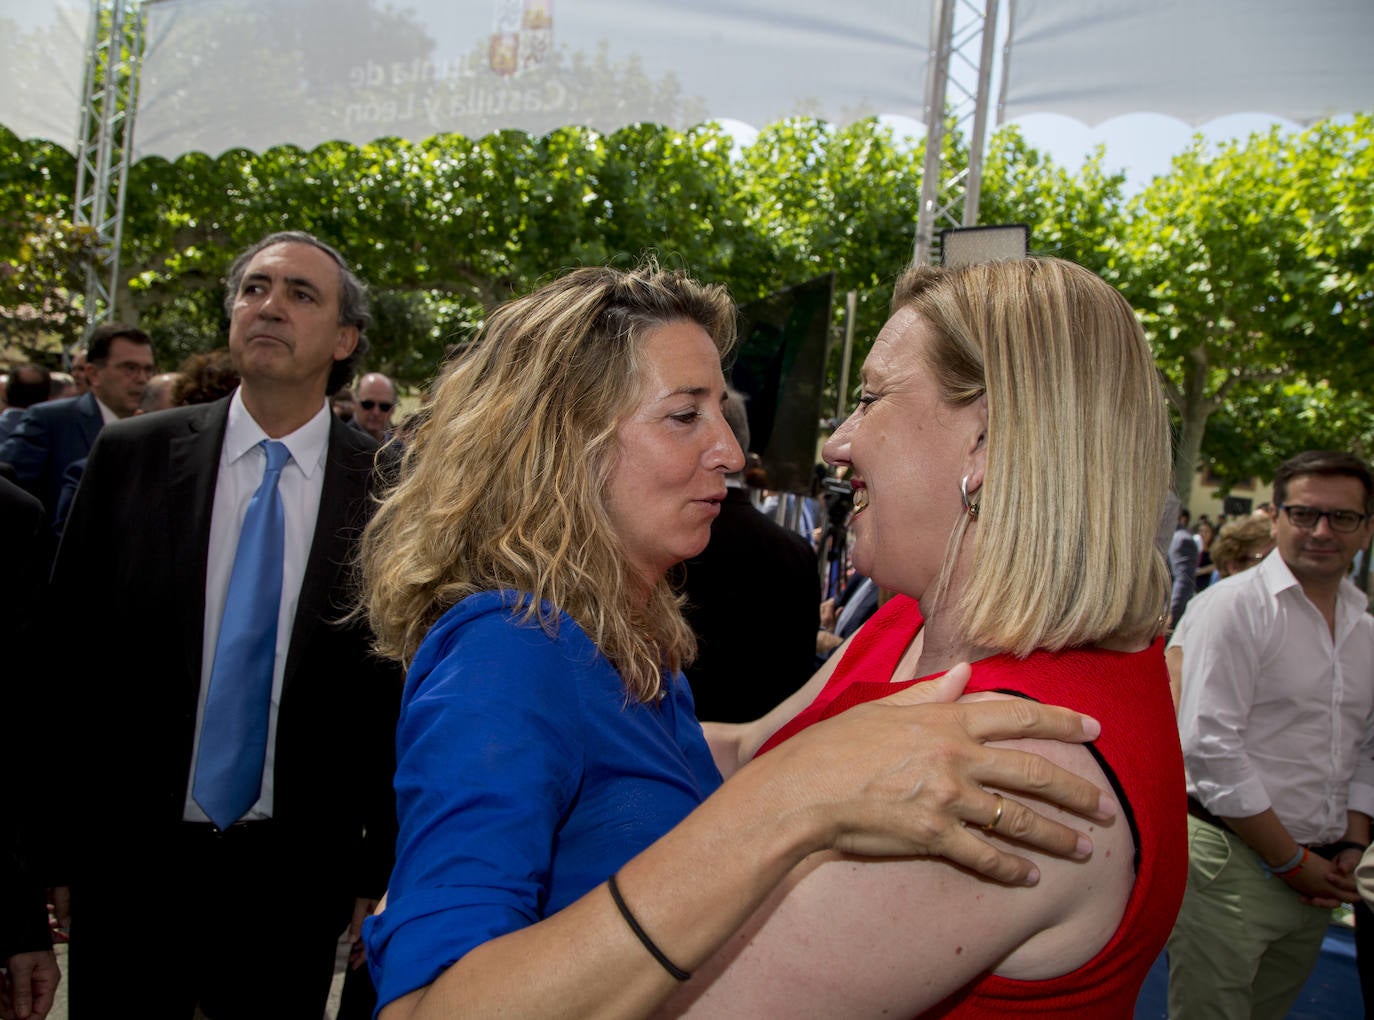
<point x="1295" y="863"/>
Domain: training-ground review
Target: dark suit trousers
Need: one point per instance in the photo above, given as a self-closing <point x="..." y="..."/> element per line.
<point x="242" y="923"/>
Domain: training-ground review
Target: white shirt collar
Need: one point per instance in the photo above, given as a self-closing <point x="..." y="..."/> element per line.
<point x="106" y="415"/>
<point x="1278" y="577"/>
<point x="307" y="444"/>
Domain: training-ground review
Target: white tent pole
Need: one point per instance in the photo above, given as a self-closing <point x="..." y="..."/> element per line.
<point x="973" y="192"/>
<point x="106" y="146"/>
<point x="960" y="65"/>
<point x="937" y="76"/>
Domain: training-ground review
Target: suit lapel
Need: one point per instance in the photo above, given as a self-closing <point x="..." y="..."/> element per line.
<point x="90" y="420"/>
<point x="347" y="468"/>
<point x="193" y="469"/>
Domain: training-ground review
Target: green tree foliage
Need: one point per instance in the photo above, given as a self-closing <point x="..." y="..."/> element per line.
<point x="1265" y="424"/>
<point x="446" y="229"/>
<point x="846" y="201"/>
<point x="42" y="285"/>
<point x="1250" y="265"/>
<point x="822" y="199"/>
<point x="443" y="230"/>
<point x="1242" y="266"/>
<point x="1071" y="214"/>
<point x="42" y="277"/>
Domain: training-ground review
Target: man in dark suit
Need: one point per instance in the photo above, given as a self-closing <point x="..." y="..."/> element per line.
<point x="28" y="969"/>
<point x="51" y="435"/>
<point x="753" y="599"/>
<point x="183" y="893"/>
<point x="1183" y="557"/>
<point x="27" y="385"/>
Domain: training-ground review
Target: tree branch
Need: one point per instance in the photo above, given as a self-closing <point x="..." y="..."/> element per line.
<point x="1246" y="375"/>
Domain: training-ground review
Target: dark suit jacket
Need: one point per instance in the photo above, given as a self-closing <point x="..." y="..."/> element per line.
<point x="753" y="599"/>
<point x="1183" y="559"/>
<point x="23" y="910"/>
<point x="71" y="481"/>
<point x="49" y="437"/>
<point x="134" y="554"/>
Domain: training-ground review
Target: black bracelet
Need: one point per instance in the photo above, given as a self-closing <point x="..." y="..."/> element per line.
<point x="642" y="935"/>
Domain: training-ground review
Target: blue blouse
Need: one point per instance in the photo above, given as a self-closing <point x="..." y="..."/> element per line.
<point x="525" y="777"/>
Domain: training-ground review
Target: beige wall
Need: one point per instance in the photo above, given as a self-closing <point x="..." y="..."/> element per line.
<point x="1206" y="500"/>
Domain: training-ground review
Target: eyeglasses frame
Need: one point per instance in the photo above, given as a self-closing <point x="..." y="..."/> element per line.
<point x="1330" y="516"/>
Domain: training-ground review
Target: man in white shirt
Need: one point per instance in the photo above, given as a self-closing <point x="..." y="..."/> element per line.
<point x="1277" y="724"/>
<point x="234" y="882"/>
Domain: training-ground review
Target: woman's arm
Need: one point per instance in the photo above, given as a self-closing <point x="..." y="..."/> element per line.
<point x="895" y="777"/>
<point x="845" y="936"/>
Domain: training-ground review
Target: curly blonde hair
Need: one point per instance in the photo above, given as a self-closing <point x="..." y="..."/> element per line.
<point x="1078" y="451"/>
<point x="502" y="486"/>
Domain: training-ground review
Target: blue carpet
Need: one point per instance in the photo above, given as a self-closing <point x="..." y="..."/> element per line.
<point x="1331" y="993"/>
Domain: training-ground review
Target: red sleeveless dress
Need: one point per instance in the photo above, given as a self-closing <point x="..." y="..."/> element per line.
<point x="1138" y="750"/>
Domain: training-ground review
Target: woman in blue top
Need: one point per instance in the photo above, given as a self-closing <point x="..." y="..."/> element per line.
<point x="547" y="745"/>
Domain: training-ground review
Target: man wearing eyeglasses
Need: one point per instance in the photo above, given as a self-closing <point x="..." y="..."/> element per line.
<point x="51" y="435"/>
<point x="1277" y="724"/>
<point x="376" y="398"/>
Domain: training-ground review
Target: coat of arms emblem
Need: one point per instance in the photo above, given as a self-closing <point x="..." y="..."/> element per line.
<point x="522" y="35"/>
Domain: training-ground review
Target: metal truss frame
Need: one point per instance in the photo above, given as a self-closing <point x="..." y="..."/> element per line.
<point x="105" y="149"/>
<point x="958" y="83"/>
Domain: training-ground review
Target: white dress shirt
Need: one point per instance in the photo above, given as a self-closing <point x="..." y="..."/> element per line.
<point x="241" y="466"/>
<point x="107" y="417"/>
<point x="1275" y="712"/>
<point x="1197" y="606"/>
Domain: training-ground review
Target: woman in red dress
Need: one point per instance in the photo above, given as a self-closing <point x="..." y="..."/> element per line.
<point x="1010" y="458"/>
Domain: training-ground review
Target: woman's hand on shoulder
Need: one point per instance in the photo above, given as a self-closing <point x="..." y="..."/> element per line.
<point x="860" y="918"/>
<point x="907" y="775"/>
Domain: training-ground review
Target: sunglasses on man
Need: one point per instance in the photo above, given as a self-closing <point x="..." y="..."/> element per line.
<point x="368" y="405"/>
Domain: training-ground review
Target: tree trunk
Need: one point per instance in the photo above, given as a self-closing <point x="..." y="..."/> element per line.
<point x="1194" y="411"/>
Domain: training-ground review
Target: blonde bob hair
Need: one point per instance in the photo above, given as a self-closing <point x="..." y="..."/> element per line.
<point x="502" y="486"/>
<point x="1078" y="453"/>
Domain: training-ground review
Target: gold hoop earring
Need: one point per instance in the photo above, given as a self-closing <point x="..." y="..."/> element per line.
<point x="970" y="507"/>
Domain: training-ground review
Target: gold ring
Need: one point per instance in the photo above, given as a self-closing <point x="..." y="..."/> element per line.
<point x="997" y="816"/>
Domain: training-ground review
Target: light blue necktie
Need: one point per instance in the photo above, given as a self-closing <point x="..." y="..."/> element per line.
<point x="233" y="733"/>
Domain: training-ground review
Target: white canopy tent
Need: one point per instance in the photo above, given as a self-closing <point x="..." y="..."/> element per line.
<point x="349" y="70"/>
<point x="220" y="74"/>
<point x="1302" y="60"/>
<point x="43" y="59"/>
